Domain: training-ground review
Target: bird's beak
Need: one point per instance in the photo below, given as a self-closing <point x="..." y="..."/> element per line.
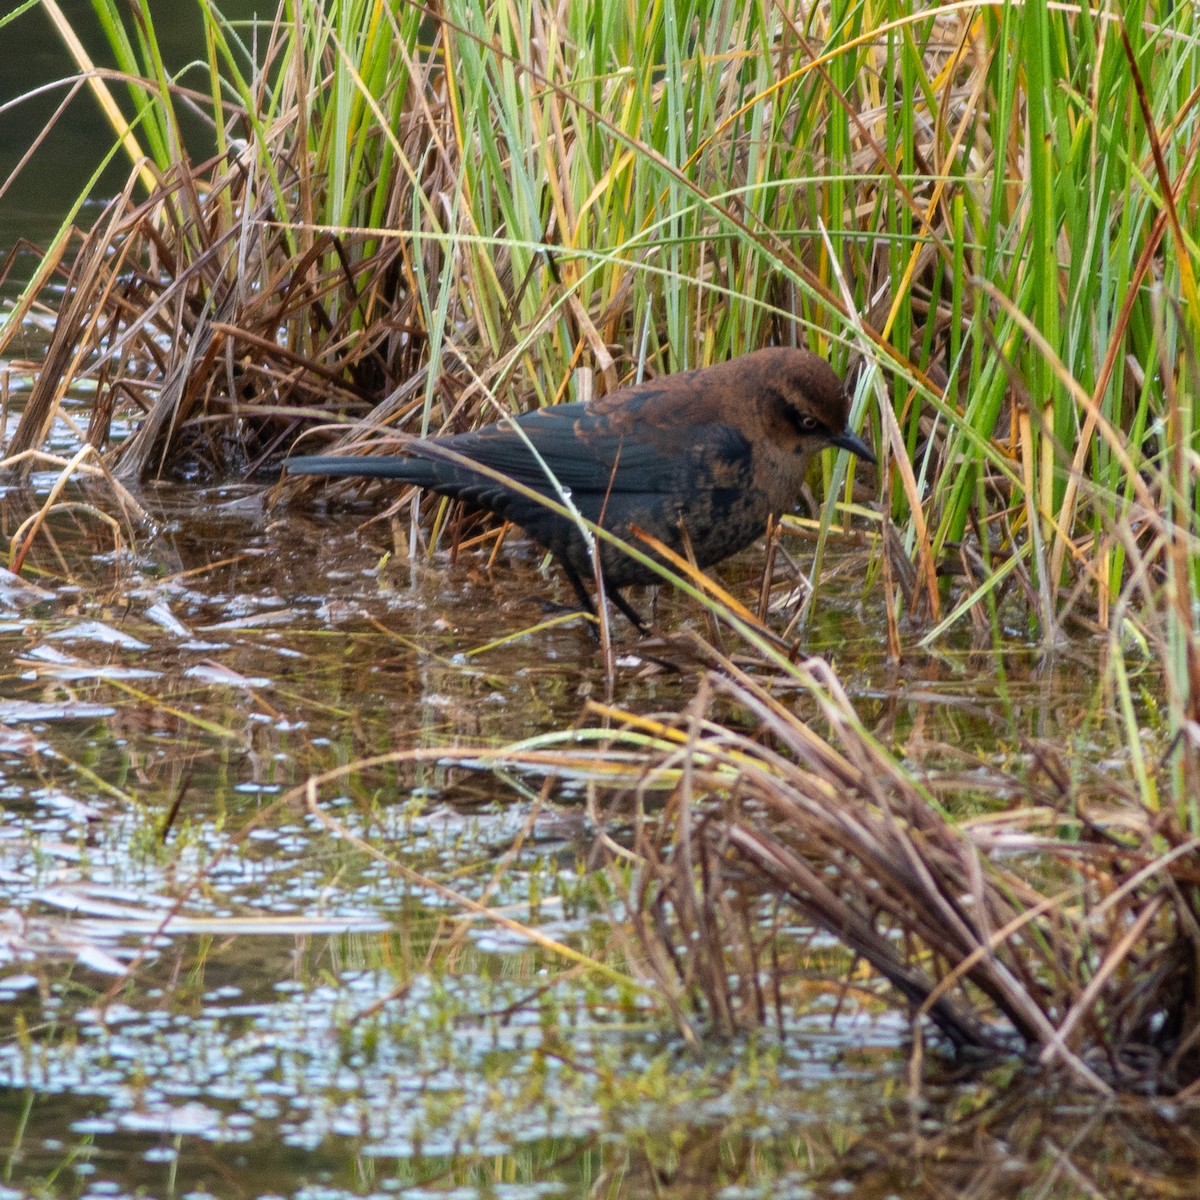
<point x="852" y="442"/>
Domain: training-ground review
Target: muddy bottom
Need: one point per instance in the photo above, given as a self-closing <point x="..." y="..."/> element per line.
<point x="217" y="982"/>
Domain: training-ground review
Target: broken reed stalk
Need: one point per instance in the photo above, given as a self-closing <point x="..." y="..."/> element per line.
<point x="1076" y="946"/>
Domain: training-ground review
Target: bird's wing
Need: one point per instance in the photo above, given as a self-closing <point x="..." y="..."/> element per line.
<point x="588" y="453"/>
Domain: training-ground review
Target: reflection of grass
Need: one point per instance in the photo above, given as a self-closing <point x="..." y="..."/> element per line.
<point x="415" y="222"/>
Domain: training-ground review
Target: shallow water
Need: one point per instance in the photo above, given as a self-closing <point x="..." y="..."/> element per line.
<point x="213" y="989"/>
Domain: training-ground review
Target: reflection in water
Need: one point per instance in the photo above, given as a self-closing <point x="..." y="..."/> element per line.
<point x="1013" y="1141"/>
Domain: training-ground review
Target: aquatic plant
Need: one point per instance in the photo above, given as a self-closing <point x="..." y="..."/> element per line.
<point x="404" y="221"/>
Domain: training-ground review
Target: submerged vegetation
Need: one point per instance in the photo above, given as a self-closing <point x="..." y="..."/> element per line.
<point x="408" y="219"/>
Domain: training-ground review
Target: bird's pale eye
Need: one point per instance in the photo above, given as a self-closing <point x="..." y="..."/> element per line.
<point x="808" y="423"/>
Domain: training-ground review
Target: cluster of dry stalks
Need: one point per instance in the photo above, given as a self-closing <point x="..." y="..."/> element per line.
<point x="1064" y="927"/>
<point x="176" y="315"/>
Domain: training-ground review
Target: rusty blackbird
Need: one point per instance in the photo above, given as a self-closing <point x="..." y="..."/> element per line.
<point x="719" y="450"/>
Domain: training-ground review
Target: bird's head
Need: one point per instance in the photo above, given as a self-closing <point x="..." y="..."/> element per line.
<point x="803" y="405"/>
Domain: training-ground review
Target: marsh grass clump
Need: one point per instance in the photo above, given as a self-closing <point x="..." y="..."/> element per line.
<point x="1063" y="929"/>
<point x="408" y="221"/>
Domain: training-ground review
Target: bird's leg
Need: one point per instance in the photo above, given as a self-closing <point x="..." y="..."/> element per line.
<point x="588" y="606"/>
<point x="629" y="611"/>
<point x="580" y="591"/>
<point x="585" y="601"/>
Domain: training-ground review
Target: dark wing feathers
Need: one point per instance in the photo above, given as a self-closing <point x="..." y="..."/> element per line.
<point x="589" y="454"/>
<point x="576" y="449"/>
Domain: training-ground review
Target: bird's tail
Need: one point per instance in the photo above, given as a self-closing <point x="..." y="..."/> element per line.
<point x="346" y="466"/>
